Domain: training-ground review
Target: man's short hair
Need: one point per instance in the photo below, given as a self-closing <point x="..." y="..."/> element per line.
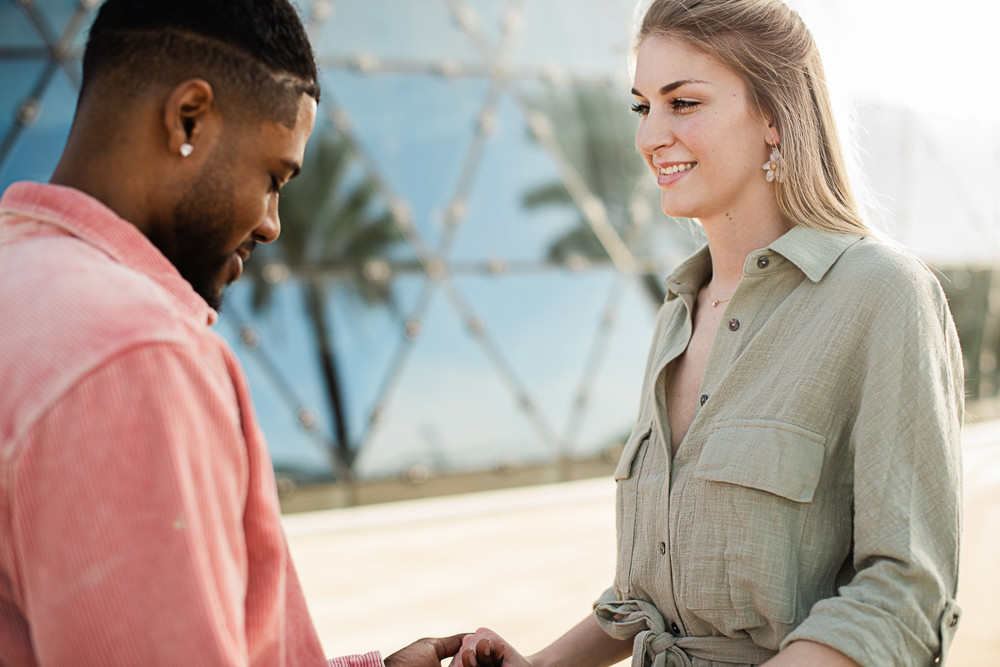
<point x="254" y="53"/>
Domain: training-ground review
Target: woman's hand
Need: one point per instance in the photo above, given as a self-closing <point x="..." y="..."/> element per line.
<point x="810" y="654"/>
<point x="485" y="648"/>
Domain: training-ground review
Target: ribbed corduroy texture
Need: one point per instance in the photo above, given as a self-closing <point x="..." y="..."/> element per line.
<point x="816" y="494"/>
<point x="139" y="522"/>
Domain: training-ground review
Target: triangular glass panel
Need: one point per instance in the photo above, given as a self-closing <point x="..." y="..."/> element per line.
<point x="62" y="14"/>
<point x="276" y="348"/>
<point x="496" y="18"/>
<point x="544" y="324"/>
<point x="450" y="411"/>
<point x="36" y="151"/>
<point x="282" y="332"/>
<point x="378" y="34"/>
<point x="19" y="78"/>
<point x="575" y="37"/>
<point x="518" y="210"/>
<point x="16" y="30"/>
<point x="416" y="130"/>
<point x="369" y="333"/>
<point x="611" y="407"/>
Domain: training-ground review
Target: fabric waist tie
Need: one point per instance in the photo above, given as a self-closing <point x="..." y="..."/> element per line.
<point x="655" y="647"/>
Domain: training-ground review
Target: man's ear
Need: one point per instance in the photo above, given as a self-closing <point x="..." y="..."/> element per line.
<point x="186" y="115"/>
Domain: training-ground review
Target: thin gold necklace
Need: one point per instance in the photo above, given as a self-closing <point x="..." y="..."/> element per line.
<point x="715" y="302"/>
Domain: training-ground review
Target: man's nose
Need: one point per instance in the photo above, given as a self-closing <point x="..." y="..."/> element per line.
<point x="269" y="230"/>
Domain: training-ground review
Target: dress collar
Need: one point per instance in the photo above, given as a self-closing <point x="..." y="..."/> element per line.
<point x="76" y="213"/>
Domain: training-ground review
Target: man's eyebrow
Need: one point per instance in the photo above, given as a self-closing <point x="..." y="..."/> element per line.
<point x="671" y="87"/>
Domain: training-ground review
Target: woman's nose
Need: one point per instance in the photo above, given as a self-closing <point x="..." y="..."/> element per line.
<point x="654" y="133"/>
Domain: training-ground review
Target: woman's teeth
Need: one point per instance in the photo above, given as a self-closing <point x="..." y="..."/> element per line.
<point x="666" y="171"/>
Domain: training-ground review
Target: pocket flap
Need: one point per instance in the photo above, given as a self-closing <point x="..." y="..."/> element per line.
<point x="639" y="433"/>
<point x="772" y="456"/>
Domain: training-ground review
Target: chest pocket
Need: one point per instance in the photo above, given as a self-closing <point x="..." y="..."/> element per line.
<point x="639" y="433"/>
<point x="779" y="458"/>
<point x="752" y="486"/>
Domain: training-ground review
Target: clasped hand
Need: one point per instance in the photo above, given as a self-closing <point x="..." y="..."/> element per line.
<point x="484" y="648"/>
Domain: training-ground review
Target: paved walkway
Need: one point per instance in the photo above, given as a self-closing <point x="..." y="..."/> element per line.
<point x="378" y="577"/>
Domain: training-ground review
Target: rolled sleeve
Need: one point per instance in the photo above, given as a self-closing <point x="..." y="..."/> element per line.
<point x="373" y="659"/>
<point x="899" y="606"/>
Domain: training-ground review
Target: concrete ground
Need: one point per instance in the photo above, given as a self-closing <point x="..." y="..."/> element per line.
<point x="528" y="562"/>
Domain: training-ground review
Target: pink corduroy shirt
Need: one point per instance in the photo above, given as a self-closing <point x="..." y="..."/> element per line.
<point x="139" y="521"/>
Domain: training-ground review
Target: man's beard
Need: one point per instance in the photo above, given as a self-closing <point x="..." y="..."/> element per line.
<point x="197" y="247"/>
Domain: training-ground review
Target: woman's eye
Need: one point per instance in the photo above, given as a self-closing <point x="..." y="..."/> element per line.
<point x="641" y="109"/>
<point x="683" y="105"/>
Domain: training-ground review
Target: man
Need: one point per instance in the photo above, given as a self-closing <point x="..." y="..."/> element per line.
<point x="139" y="522"/>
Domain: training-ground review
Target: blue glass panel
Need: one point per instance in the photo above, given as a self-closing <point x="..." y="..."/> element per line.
<point x="500" y="224"/>
<point x="417" y="129"/>
<point x="58" y="13"/>
<point x="37" y="150"/>
<point x="545" y="325"/>
<point x="450" y="410"/>
<point x="18" y="77"/>
<point x="288" y="340"/>
<point x="492" y="16"/>
<point x="367" y="336"/>
<point x="581" y="36"/>
<point x="290" y="446"/>
<point x="422" y="29"/>
<point x="15" y="28"/>
<point x="613" y="404"/>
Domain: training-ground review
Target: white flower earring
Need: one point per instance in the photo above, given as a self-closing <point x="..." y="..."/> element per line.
<point x="187" y="149"/>
<point x="774" y="166"/>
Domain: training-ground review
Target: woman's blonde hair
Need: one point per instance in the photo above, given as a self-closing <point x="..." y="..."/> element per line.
<point x="770" y="47"/>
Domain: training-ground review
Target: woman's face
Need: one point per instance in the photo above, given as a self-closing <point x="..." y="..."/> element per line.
<point x="698" y="133"/>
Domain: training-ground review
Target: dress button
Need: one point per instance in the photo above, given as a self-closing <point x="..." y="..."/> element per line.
<point x="762" y="262"/>
<point x="663" y="547"/>
<point x="734" y="324"/>
<point x="674" y="628"/>
<point x="704" y="398"/>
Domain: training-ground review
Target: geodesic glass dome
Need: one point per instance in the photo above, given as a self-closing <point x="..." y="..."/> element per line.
<point x="470" y="263"/>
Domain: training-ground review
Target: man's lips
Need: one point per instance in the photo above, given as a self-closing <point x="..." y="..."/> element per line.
<point x="240" y="255"/>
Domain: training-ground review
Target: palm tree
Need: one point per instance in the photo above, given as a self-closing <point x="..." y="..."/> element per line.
<point x="332" y="223"/>
<point x="597" y="133"/>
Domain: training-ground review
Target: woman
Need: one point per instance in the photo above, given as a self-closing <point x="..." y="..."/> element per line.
<point x="790" y="495"/>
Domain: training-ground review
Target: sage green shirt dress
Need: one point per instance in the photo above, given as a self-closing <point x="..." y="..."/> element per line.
<point x="817" y="493"/>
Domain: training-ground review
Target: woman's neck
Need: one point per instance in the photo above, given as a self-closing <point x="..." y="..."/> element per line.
<point x="734" y="234"/>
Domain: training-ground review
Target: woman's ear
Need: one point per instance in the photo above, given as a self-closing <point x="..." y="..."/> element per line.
<point x="773" y="137"/>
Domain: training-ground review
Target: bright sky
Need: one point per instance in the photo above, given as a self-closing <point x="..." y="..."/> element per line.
<point x="934" y="57"/>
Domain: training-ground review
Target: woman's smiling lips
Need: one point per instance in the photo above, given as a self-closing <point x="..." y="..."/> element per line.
<point x="669" y="173"/>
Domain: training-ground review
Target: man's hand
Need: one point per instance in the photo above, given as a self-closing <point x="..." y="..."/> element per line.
<point x="425" y="652"/>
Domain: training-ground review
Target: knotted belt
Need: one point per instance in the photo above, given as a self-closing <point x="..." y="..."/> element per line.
<point x="655" y="647"/>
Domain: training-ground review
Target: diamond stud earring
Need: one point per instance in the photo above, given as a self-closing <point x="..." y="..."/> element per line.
<point x="187" y="149"/>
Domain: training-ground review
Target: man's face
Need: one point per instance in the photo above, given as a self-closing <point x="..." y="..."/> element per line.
<point x="233" y="205"/>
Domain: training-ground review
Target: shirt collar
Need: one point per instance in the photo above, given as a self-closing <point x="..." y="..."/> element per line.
<point x="84" y="217"/>
<point x="811" y="250"/>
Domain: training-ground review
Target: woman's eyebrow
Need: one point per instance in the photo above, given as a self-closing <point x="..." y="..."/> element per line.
<point x="671" y="87"/>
